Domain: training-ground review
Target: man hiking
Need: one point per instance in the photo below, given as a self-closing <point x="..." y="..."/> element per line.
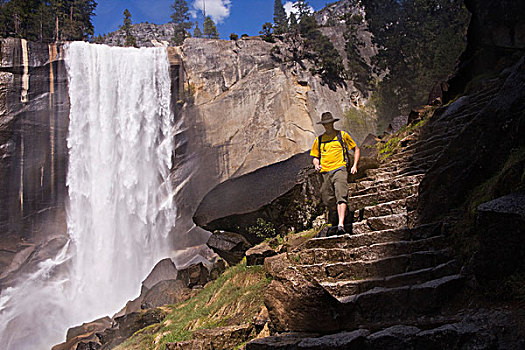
<point x="330" y="158"/>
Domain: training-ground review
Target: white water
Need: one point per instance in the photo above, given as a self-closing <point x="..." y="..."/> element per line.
<point x="120" y="212"/>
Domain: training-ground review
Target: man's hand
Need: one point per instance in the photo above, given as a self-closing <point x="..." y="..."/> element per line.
<point x="354" y="169"/>
<point x="317" y="164"/>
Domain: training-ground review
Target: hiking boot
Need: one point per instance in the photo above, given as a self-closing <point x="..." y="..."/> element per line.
<point x="341" y="230"/>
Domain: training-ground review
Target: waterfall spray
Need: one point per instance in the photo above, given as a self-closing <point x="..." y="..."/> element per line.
<point x="120" y="211"/>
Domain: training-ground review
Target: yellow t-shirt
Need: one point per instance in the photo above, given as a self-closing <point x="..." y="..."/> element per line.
<point x="331" y="151"/>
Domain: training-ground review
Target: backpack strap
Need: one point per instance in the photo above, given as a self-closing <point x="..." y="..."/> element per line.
<point x="343" y="146"/>
<point x="319" y="144"/>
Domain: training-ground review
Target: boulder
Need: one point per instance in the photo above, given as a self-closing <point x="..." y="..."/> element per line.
<point x="163" y="270"/>
<point x="291" y="300"/>
<point x="126" y="325"/>
<point x="501" y="227"/>
<point x="230" y="246"/>
<point x="84" y="336"/>
<point x="165" y="292"/>
<point x="194" y="275"/>
<point x="257" y="254"/>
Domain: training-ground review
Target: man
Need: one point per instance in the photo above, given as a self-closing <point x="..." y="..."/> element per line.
<point x="330" y="158"/>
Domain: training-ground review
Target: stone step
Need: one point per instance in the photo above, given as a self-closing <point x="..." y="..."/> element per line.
<point x="406" y="302"/>
<point x="358" y="270"/>
<point x="353" y="287"/>
<point x="398" y="206"/>
<point x="379" y="223"/>
<point x="406" y="171"/>
<point x="348" y="241"/>
<point x="371" y="199"/>
<point x="364" y="253"/>
<point x="415" y="156"/>
<point x="371" y="186"/>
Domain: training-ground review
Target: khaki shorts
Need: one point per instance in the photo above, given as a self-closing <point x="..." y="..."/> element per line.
<point x="335" y="187"/>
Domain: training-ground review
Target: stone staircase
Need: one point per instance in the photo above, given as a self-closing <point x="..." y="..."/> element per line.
<point x="389" y="271"/>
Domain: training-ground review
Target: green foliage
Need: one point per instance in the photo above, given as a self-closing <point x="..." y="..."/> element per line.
<point x="181" y="20"/>
<point x="279" y="18"/>
<point x="130" y="38"/>
<point x="358" y="70"/>
<point x="419" y="43"/>
<point x="210" y="29"/>
<point x="197" y="33"/>
<point x="239" y="289"/>
<point x="244" y="35"/>
<point x="47" y="20"/>
<point x="393" y="144"/>
<point x="234" y="37"/>
<point x="262" y="229"/>
<point x="267" y="32"/>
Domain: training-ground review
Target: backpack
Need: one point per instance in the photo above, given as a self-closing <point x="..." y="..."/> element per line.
<point x="343" y="146"/>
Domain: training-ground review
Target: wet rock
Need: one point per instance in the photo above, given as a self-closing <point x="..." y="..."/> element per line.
<point x="84" y="336"/>
<point x="257" y="254"/>
<point x="230" y="246"/>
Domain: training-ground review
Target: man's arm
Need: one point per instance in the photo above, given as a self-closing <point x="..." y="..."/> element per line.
<point x="317" y="166"/>
<point x="357" y="153"/>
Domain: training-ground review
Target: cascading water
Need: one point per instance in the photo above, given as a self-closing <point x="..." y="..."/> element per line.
<point x="120" y="211"/>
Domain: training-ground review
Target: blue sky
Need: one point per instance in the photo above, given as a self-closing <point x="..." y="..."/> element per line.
<point x="231" y="16"/>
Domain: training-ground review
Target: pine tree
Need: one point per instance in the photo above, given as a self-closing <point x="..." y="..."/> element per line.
<point x="180" y="18"/>
<point x="303" y="8"/>
<point x="279" y="18"/>
<point x="210" y="29"/>
<point x="267" y="32"/>
<point x="197" y="32"/>
<point x="293" y="21"/>
<point x="130" y="38"/>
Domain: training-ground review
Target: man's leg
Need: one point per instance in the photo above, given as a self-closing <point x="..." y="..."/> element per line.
<point x="341" y="211"/>
<point x="341" y="193"/>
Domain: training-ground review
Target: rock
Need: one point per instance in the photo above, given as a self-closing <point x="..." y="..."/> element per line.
<point x="396" y="338"/>
<point x="230" y="246"/>
<point x="33" y="146"/>
<point x="257" y="254"/>
<point x="126" y="325"/>
<point x="84" y="337"/>
<point x="215" y="339"/>
<point x="219" y="266"/>
<point x="163" y="270"/>
<point x="501" y="227"/>
<point x="292" y="300"/>
<point x="344" y="340"/>
<point x="282" y="342"/>
<point x="165" y="292"/>
<point x="193" y="275"/>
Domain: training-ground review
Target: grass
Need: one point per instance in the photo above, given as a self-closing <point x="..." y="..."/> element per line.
<point x="393" y="145"/>
<point x="235" y="298"/>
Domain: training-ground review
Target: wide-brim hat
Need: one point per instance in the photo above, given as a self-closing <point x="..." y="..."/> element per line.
<point x="326" y="118"/>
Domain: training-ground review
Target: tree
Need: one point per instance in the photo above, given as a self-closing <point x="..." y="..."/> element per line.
<point x="303" y="8"/>
<point x="267" y="32"/>
<point x="234" y="37"/>
<point x="279" y="18"/>
<point x="197" y="32"/>
<point x="419" y="43"/>
<point x="210" y="29"/>
<point x="181" y="20"/>
<point x="130" y="38"/>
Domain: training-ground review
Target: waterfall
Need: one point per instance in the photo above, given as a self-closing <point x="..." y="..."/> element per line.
<point x="120" y="211"/>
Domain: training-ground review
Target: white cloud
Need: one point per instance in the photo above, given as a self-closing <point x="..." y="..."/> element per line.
<point x="288" y="7"/>
<point x="218" y="10"/>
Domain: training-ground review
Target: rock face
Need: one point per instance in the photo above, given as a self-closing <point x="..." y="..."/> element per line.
<point x="501" y="223"/>
<point x="34" y="109"/>
<point x="245" y="112"/>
